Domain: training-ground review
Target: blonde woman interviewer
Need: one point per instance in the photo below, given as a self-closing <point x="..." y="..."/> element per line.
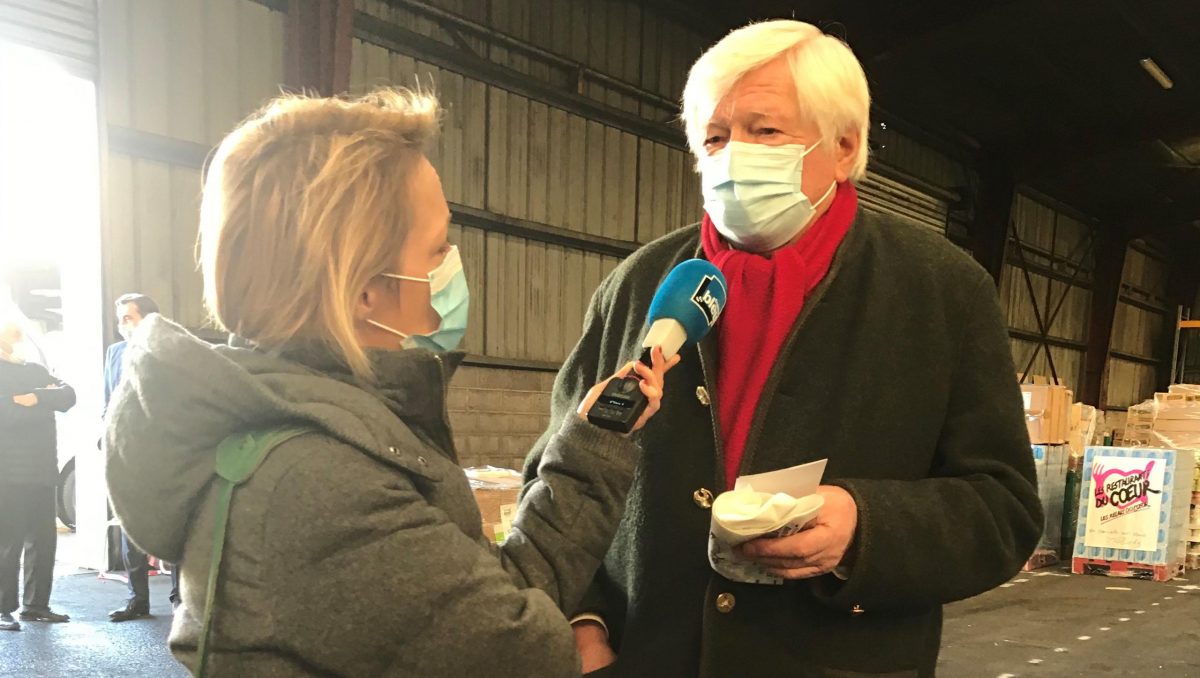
<point x="354" y="549"/>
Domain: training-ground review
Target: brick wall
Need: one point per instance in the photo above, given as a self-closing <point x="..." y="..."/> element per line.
<point x="498" y="414"/>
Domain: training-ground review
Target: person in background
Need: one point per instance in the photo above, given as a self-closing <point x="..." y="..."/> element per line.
<point x="29" y="398"/>
<point x="847" y="335"/>
<point x="355" y="546"/>
<point x="132" y="308"/>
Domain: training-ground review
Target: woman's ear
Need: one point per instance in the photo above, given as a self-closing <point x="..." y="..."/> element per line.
<point x="368" y="301"/>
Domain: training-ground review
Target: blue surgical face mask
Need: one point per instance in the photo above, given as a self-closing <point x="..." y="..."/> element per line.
<point x="450" y="298"/>
<point x="752" y="193"/>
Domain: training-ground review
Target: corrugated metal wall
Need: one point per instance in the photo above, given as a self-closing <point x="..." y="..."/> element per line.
<point x="912" y="180"/>
<point x="64" y="29"/>
<point x="1140" y="328"/>
<point x="1055" y="247"/>
<point x="174" y="78"/>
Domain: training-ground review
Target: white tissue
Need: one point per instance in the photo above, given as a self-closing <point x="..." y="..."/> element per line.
<point x="741" y="515"/>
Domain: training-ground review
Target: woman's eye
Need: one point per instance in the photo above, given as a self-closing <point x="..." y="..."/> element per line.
<point x="713" y="140"/>
<point x="767" y="131"/>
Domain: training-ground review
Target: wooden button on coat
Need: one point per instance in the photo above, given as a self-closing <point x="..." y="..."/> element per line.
<point x="725" y="603"/>
<point x="702" y="396"/>
<point x="703" y="498"/>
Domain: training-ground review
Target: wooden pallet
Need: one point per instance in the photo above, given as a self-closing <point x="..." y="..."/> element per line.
<point x="1121" y="568"/>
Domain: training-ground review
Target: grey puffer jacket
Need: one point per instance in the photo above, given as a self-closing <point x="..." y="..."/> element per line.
<point x="355" y="550"/>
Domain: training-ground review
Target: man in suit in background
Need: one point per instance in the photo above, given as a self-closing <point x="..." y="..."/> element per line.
<point x="131" y="310"/>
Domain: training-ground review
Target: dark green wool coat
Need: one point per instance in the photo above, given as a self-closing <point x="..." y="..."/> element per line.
<point x="898" y="371"/>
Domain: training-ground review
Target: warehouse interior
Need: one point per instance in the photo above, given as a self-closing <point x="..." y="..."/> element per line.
<point x="1056" y="144"/>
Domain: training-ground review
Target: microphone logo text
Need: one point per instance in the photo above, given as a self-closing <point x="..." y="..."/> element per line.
<point x="703" y="298"/>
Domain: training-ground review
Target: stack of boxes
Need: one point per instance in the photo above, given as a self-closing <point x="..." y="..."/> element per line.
<point x="1047" y="411"/>
<point x="1175" y="424"/>
<point x="1081" y="434"/>
<point x="1051" y="463"/>
<point x="1193" y="553"/>
<point x="1048" y="418"/>
<point x="1137" y="504"/>
<point x="1177" y="417"/>
<point x="1134" y="512"/>
<point x="1139" y="425"/>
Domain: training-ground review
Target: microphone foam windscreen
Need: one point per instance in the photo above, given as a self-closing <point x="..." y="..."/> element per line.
<point x="693" y="293"/>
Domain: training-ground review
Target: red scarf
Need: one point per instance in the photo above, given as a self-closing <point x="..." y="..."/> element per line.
<point x="766" y="295"/>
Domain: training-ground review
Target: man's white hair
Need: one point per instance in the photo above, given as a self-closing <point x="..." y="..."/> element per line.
<point x="829" y="79"/>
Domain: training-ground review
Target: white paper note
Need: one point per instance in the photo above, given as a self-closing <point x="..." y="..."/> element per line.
<point x="798" y="481"/>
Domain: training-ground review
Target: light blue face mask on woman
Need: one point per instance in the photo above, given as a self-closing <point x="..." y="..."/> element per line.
<point x="449" y="296"/>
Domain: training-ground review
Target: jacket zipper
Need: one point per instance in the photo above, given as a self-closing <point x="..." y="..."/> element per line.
<point x="445" y="386"/>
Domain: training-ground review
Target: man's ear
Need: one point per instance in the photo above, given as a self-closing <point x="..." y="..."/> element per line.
<point x="845" y="154"/>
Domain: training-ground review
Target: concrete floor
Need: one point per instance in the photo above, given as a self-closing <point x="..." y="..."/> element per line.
<point x="1046" y="624"/>
<point x="1051" y="623"/>
<point x="90" y="645"/>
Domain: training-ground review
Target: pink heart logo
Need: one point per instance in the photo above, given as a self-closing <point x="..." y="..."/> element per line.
<point x="1126" y="489"/>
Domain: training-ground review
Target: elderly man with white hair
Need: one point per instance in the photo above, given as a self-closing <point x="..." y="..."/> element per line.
<point x="847" y="336"/>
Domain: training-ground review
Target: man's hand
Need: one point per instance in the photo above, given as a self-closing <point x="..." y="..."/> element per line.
<point x="592" y="643"/>
<point x="27" y="400"/>
<point x="816" y="550"/>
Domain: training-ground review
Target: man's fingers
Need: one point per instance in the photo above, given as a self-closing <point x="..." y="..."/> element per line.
<point x="803" y="545"/>
<point x="798" y="573"/>
<point x="783" y="563"/>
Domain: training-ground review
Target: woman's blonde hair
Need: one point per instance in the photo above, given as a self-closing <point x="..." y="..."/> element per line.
<point x="304" y="204"/>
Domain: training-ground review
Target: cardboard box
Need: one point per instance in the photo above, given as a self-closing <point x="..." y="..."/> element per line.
<point x="1047" y="413"/>
<point x="497" y="492"/>
<point x="1186" y="389"/>
<point x="1176" y="420"/>
<point x="497" y="509"/>
<point x="1175" y="398"/>
<point x="1082" y="428"/>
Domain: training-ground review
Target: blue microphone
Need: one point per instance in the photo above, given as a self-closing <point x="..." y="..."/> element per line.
<point x="685" y="308"/>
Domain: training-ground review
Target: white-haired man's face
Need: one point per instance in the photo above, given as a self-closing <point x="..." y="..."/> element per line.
<point x="764" y="108"/>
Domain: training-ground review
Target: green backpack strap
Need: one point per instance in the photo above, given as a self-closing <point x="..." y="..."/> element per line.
<point x="238" y="457"/>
